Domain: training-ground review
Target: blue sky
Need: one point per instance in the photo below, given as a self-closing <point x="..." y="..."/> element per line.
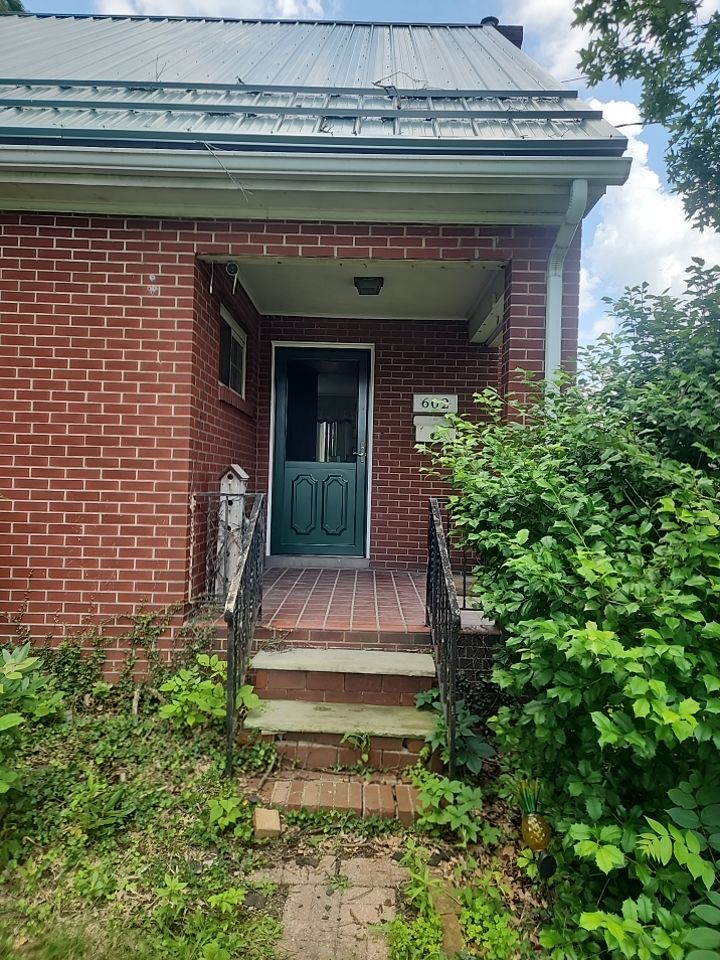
<point x="637" y="232"/>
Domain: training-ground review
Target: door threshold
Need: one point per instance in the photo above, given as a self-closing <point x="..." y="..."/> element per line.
<point x="335" y="563"/>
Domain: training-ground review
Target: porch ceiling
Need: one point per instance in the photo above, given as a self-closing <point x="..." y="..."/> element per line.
<point x="412" y="289"/>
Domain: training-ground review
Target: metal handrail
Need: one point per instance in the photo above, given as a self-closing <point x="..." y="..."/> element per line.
<point x="442" y="613"/>
<point x="242" y="612"/>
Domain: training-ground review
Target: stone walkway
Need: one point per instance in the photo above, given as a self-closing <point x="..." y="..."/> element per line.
<point x="334" y="906"/>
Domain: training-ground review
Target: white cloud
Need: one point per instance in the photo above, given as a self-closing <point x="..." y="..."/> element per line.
<point x="250" y="9"/>
<point x="643" y="233"/>
<point x="549" y="34"/>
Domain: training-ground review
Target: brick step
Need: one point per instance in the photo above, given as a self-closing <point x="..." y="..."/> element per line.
<point x="388" y="800"/>
<point x="342" y="676"/>
<point x="329" y="751"/>
<point x="389" y="639"/>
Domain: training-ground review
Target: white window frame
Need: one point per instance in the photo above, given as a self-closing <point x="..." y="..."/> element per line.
<point x="240" y="336"/>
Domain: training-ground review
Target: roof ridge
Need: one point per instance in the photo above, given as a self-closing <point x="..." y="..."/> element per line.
<point x="325" y="21"/>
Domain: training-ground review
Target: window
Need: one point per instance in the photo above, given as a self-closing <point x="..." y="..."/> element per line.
<point x="233" y="348"/>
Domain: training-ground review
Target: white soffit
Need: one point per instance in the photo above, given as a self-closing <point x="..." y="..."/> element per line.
<point x="412" y="289"/>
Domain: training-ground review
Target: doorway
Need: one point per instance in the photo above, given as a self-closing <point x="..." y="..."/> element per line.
<point x="320" y="462"/>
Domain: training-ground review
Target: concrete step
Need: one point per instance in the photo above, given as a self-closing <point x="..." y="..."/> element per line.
<point x="292" y="716"/>
<point x="310" y="734"/>
<point x="342" y="676"/>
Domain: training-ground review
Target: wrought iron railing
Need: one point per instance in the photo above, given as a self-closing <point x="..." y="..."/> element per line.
<point x="443" y="618"/>
<point x="219" y="525"/>
<point x="242" y="612"/>
<point x="462" y="559"/>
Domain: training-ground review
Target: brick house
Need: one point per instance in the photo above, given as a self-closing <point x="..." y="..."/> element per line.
<point x="265" y="244"/>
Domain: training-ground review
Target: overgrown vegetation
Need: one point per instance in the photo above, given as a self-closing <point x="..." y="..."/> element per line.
<point x="119" y="834"/>
<point x="419" y="934"/>
<point x="597" y="515"/>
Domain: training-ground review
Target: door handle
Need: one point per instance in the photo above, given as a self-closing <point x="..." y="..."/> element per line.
<point x="360" y="454"/>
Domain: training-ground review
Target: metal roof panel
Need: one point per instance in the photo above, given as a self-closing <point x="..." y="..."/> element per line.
<point x="239" y="80"/>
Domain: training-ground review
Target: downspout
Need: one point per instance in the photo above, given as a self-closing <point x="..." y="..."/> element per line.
<point x="554" y="288"/>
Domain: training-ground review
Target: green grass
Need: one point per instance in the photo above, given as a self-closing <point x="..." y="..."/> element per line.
<point x="110" y="849"/>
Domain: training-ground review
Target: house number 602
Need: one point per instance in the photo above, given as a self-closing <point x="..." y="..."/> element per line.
<point x="435" y="403"/>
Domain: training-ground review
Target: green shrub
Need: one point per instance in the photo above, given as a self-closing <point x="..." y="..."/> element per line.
<point x="25" y="695"/>
<point x="597" y="515"/>
<point x="197" y="694"/>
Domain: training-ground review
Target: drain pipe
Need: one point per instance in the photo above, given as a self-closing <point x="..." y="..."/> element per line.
<point x="554" y="289"/>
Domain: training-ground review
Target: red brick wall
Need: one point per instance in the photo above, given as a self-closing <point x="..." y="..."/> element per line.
<point x="112" y="413"/>
<point x="223" y="425"/>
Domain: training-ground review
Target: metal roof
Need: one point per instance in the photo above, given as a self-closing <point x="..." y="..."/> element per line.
<point x="286" y="84"/>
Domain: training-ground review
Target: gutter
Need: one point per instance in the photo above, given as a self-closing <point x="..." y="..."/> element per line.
<point x="554" y="288"/>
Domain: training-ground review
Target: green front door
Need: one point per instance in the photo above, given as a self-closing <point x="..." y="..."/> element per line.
<point x="320" y="457"/>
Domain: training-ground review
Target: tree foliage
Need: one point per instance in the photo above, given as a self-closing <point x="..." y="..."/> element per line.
<point x="11" y="6"/>
<point x="597" y="516"/>
<point x="675" y="52"/>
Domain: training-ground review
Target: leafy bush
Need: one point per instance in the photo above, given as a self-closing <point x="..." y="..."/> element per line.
<point x="197" y="694"/>
<point x="449" y="806"/>
<point x="597" y="514"/>
<point x="25" y="694"/>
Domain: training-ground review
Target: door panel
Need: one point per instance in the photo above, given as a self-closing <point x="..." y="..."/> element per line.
<point x="320" y="473"/>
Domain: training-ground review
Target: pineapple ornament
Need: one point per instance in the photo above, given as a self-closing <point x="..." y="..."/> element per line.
<point x="536" y="830"/>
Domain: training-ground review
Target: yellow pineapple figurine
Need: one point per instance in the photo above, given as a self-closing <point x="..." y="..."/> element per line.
<point x="536" y="830"/>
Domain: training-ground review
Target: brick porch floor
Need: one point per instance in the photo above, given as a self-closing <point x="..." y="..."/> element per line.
<point x="344" y="600"/>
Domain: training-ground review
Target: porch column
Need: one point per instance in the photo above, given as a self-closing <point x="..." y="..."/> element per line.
<point x="523" y="343"/>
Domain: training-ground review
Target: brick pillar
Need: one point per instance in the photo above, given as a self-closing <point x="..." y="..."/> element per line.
<point x="524" y="328"/>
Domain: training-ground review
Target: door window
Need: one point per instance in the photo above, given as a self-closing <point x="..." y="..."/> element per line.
<point x="322" y="410"/>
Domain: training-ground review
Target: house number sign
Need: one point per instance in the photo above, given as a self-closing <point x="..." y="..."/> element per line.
<point x="435" y="403"/>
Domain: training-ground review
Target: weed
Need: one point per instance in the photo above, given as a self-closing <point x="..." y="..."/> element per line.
<point x="338" y="882"/>
<point x="197" y="694"/>
<point x="485" y="920"/>
<point x="449" y="806"/>
<point x="418" y="938"/>
<point x="330" y="822"/>
<point x="360" y="741"/>
<point x="470" y="749"/>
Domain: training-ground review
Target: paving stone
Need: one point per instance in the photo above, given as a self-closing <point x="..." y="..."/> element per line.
<point x="325" y="922"/>
<point x="267" y="823"/>
<point x="371" y="871"/>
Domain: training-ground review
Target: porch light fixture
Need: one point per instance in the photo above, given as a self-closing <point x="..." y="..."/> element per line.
<point x="368" y="286"/>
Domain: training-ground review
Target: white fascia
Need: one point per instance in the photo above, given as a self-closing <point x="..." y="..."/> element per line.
<point x="198" y="183"/>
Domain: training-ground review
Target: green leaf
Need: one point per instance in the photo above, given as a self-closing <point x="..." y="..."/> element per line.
<point x="682" y="799"/>
<point x="9" y="720"/>
<point x="708" y="914"/>
<point x="684" y="818"/>
<point x="609" y="857"/>
<point x="522" y="536"/>
<point x="710" y="816"/>
<point x="703" y="937"/>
